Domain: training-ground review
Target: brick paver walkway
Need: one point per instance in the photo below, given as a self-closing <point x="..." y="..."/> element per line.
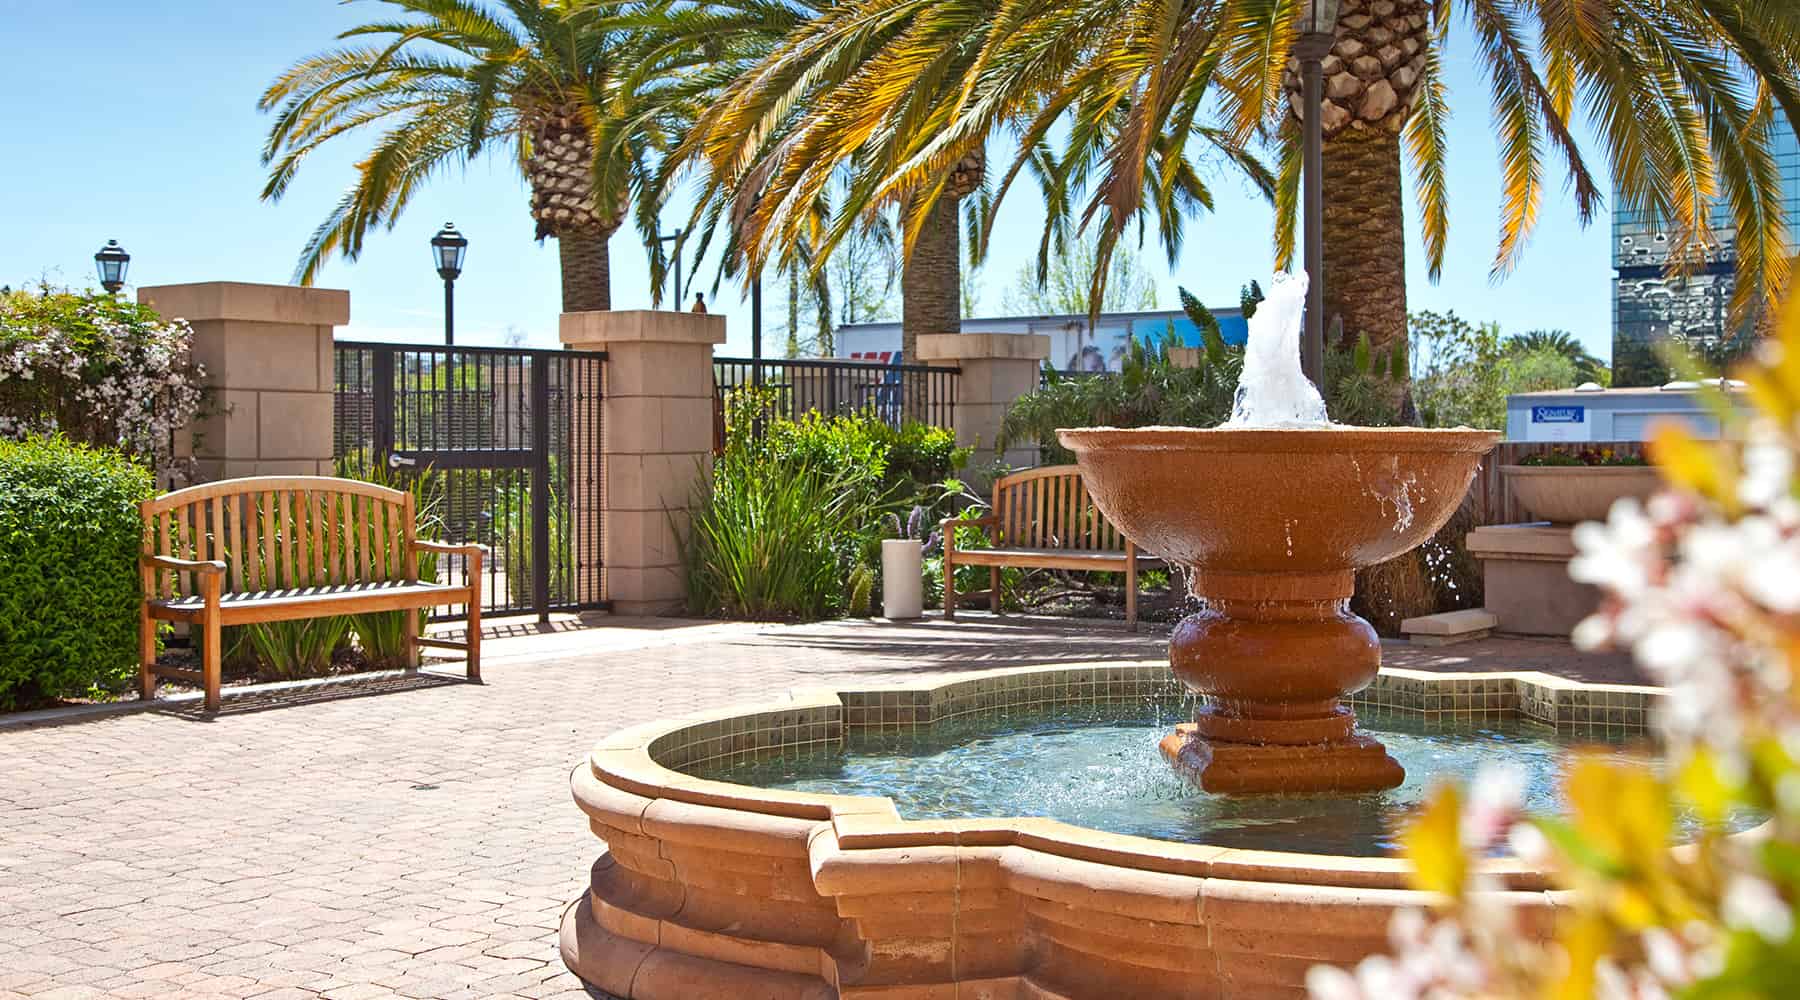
<point x="418" y="843"/>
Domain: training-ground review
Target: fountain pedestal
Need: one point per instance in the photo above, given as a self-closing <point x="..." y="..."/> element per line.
<point x="1272" y="526"/>
<point x="1273" y="656"/>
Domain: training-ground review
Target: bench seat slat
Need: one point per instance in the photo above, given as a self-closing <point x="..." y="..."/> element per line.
<point x="1050" y="558"/>
<point x="306" y="602"/>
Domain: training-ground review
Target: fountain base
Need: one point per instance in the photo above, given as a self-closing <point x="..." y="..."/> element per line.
<point x="1357" y="763"/>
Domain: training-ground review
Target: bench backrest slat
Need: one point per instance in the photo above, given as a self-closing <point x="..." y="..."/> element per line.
<point x="281" y="532"/>
<point x="1050" y="508"/>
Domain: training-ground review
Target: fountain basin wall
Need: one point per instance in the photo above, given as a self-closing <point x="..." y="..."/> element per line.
<point x="709" y="889"/>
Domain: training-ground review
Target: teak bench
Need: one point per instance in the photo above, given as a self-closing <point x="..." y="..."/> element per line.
<point x="279" y="548"/>
<point x="1044" y="519"/>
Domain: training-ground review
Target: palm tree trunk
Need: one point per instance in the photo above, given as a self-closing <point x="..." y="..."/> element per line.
<point x="586" y="272"/>
<point x="931" y="281"/>
<point x="1365" y="236"/>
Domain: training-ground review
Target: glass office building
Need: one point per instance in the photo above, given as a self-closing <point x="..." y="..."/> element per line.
<point x="1650" y="307"/>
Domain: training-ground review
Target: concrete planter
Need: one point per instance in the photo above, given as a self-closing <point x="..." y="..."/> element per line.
<point x="902" y="578"/>
<point x="1565" y="494"/>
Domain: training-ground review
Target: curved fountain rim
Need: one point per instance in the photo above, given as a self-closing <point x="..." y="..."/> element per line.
<point x="624" y="762"/>
<point x="1335" y="438"/>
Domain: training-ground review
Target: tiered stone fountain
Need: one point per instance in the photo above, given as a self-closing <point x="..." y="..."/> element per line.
<point x="714" y="888"/>
<point x="1272" y="515"/>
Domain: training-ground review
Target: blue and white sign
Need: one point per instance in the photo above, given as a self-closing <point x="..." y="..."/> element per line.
<point x="1559" y="414"/>
<point x="1559" y="423"/>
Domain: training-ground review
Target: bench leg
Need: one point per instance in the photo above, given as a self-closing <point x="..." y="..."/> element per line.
<point x="146" y="654"/>
<point x="415" y="626"/>
<point x="1131" y="581"/>
<point x="994" y="588"/>
<point x="213" y="658"/>
<point x="472" y="662"/>
<point x="949" y="583"/>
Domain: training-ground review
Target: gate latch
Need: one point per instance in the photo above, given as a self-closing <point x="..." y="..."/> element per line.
<point x="395" y="461"/>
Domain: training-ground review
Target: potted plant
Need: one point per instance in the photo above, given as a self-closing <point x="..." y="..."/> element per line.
<point x="1566" y="485"/>
<point x="903" y="567"/>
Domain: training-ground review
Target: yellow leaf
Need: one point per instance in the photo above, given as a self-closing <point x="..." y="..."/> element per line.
<point x="1433" y="843"/>
<point x="1689" y="463"/>
<point x="1701" y="784"/>
<point x="1584" y="941"/>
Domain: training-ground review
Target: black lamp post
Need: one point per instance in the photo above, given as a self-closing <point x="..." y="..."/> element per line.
<point x="112" y="261"/>
<point x="1318" y="30"/>
<point x="447" y="249"/>
<point x="673" y="237"/>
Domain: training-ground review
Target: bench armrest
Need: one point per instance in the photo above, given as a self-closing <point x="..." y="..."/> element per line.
<point x="182" y="565"/>
<point x="989" y="521"/>
<point x="467" y="548"/>
<point x="950" y="524"/>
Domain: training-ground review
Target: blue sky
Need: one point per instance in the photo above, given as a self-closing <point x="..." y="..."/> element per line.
<point x="138" y="122"/>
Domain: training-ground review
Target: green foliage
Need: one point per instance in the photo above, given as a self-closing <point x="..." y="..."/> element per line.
<point x="1061" y="282"/>
<point x="294" y="650"/>
<point x="862" y="588"/>
<point x="70" y="535"/>
<point x="969" y="579"/>
<point x="1464" y="372"/>
<point x="382" y="635"/>
<point x="290" y="650"/>
<point x="1152" y="390"/>
<point x="792" y="525"/>
<point x="772" y="541"/>
<point x="513" y="525"/>
<point x="1587" y="367"/>
<point x="1148" y="390"/>
<point x="1583" y="456"/>
<point x="1249" y="297"/>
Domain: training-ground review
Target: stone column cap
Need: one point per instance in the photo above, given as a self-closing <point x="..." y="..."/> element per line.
<point x="984" y="346"/>
<point x="1539" y="539"/>
<point x="601" y="327"/>
<point x="249" y="302"/>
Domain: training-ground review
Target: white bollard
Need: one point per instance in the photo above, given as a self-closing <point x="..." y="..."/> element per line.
<point x="902" y="578"/>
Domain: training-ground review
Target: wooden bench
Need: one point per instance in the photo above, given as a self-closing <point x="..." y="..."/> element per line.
<point x="1044" y="519"/>
<point x="278" y="548"/>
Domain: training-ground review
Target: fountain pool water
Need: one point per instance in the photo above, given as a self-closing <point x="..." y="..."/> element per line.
<point x="1099" y="767"/>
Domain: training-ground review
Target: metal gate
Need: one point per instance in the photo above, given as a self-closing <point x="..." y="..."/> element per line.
<point x="503" y="447"/>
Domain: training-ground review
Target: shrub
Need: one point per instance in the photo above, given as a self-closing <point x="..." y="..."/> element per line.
<point x="70" y="536"/>
<point x="101" y="370"/>
<point x="751" y="556"/>
<point x="773" y="542"/>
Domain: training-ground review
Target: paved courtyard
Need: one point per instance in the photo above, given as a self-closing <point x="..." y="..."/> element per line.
<point x="418" y="842"/>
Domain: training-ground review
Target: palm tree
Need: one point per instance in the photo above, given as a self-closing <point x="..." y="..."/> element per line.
<point x="561" y="87"/>
<point x="1681" y="93"/>
<point x="872" y="103"/>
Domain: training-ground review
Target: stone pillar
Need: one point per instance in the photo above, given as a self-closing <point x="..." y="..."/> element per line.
<point x="997" y="368"/>
<point x="656" y="446"/>
<point x="268" y="355"/>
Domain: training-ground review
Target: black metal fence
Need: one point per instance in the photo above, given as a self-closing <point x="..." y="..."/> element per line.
<point x="1046" y="375"/>
<point x="794" y="388"/>
<point x="509" y="443"/>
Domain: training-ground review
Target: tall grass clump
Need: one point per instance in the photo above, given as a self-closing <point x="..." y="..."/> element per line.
<point x="771" y="542"/>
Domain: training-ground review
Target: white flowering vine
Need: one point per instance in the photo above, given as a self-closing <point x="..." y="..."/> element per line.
<point x="97" y="369"/>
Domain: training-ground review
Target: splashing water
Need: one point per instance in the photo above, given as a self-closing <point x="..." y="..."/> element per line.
<point x="1272" y="391"/>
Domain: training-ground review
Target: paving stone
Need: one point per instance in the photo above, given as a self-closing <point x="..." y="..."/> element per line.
<point x="421" y="841"/>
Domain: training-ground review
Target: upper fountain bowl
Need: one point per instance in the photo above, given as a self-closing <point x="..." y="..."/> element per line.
<point x="1230" y="501"/>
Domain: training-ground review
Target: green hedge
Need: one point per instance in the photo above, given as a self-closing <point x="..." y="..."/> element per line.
<point x="69" y="541"/>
